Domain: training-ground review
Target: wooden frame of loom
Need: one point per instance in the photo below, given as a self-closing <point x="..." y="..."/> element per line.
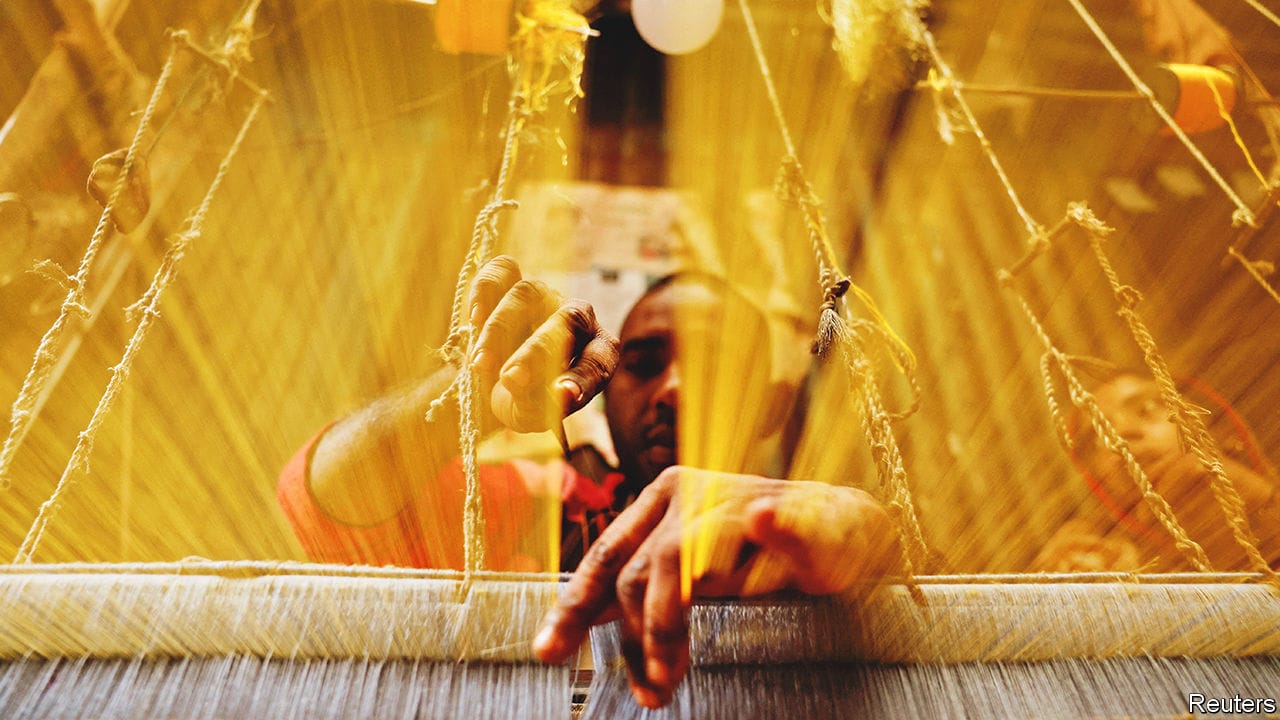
<point x="266" y="615"/>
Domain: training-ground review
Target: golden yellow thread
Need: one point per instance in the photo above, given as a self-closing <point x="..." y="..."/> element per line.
<point x="79" y="461"/>
<point x="1235" y="133"/>
<point x="834" y="330"/>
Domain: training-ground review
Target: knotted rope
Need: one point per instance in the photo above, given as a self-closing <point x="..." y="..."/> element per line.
<point x="145" y="312"/>
<point x="550" y="38"/>
<point x="834" y="331"/>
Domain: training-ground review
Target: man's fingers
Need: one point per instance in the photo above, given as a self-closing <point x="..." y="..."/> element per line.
<point x="591" y="590"/>
<point x="571" y="344"/>
<point x="665" y="638"/>
<point x="492" y="281"/>
<point x="521" y="309"/>
<point x="832" y="536"/>
<point x="591" y="371"/>
<point x="523" y="399"/>
<point x="631" y="589"/>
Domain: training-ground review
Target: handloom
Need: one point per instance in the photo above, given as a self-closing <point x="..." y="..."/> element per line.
<point x="267" y="639"/>
<point x="245" y="639"/>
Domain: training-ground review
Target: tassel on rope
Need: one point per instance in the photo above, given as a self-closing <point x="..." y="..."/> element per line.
<point x="831" y="327"/>
<point x="834" y="330"/>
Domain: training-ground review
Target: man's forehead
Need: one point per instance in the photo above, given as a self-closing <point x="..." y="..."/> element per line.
<point x="1126" y="390"/>
<point x="673" y="308"/>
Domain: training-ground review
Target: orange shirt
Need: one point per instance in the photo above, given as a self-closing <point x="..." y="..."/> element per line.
<point x="521" y="526"/>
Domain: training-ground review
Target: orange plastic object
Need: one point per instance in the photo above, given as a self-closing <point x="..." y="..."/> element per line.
<point x="1196" y="109"/>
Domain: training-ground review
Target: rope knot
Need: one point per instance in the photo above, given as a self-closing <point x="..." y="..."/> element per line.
<point x="1080" y="214"/>
<point x="459" y="337"/>
<point x="791" y="186"/>
<point x="834" y="292"/>
<point x="1243" y="216"/>
<point x="1128" y="296"/>
<point x="490" y="211"/>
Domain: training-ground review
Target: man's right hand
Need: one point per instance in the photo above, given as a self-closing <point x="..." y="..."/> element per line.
<point x="538" y="356"/>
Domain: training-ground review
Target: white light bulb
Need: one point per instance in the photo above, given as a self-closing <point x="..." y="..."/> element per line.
<point x="676" y="27"/>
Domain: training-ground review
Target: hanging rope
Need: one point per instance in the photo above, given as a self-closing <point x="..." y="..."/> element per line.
<point x="1110" y="438"/>
<point x="73" y="304"/>
<point x="1193" y="434"/>
<point x="546" y="62"/>
<point x="145" y="311"/>
<point x="1079" y="214"/>
<point x="834" y="331"/>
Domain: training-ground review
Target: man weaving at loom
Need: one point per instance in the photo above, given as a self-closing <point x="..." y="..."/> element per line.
<point x="382" y="487"/>
<point x="1120" y="532"/>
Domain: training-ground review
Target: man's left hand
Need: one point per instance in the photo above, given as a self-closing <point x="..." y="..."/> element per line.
<point x="751" y="536"/>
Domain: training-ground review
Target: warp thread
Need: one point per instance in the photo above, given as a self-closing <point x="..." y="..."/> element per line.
<point x="73" y="303"/>
<point x="145" y="311"/>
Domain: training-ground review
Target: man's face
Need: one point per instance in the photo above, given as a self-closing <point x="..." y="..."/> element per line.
<point x="1134" y="406"/>
<point x="673" y="349"/>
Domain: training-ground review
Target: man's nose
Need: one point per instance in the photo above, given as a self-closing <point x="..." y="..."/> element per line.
<point x="668" y="393"/>
<point x="1128" y="428"/>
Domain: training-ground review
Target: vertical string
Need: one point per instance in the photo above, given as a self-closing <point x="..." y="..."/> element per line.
<point x="551" y="34"/>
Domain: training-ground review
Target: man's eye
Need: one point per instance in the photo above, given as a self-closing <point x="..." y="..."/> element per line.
<point x="644" y="364"/>
<point x="1152" y="408"/>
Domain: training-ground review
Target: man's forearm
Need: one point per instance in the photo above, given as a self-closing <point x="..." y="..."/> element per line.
<point x="364" y="469"/>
